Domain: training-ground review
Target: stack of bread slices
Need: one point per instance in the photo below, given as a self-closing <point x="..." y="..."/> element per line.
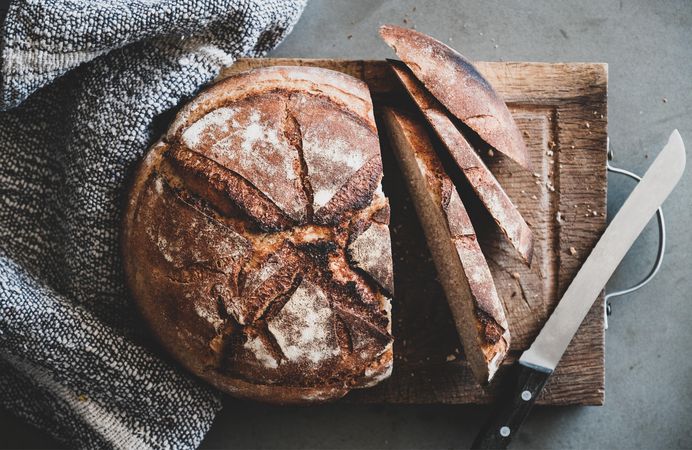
<point x="459" y="106"/>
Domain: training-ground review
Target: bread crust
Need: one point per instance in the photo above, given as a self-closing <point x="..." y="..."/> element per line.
<point x="244" y="276"/>
<point x="485" y="185"/>
<point x="463" y="271"/>
<point x="458" y="85"/>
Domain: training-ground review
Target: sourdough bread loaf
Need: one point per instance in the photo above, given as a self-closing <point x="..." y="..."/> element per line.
<point x="256" y="240"/>
<point x="462" y="269"/>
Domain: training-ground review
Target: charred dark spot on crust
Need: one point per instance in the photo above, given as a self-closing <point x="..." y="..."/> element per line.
<point x="343" y="335"/>
<point x="318" y="251"/>
<point x="492" y="331"/>
<point x="222" y="344"/>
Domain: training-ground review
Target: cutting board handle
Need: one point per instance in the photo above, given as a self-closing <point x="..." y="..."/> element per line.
<point x="661" y="243"/>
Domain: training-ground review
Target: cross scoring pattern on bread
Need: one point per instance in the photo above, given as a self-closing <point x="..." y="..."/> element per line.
<point x="292" y="176"/>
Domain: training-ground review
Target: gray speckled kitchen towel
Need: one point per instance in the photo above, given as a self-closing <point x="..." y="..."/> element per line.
<point x="86" y="86"/>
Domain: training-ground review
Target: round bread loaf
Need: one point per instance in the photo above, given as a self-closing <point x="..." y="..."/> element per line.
<point x="256" y="240"/>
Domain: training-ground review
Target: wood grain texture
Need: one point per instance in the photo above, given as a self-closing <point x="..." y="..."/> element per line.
<point x="562" y="112"/>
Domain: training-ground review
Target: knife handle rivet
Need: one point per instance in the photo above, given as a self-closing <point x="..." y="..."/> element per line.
<point x="504" y="431"/>
<point x="526" y="396"/>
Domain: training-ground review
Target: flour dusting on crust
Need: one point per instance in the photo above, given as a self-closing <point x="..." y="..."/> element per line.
<point x="335" y="146"/>
<point x="372" y="252"/>
<point x="217" y="121"/>
<point x="257" y="347"/>
<point x="304" y="328"/>
<point x="249" y="140"/>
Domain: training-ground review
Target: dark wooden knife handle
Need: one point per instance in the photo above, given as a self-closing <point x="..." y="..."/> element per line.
<point x="512" y="408"/>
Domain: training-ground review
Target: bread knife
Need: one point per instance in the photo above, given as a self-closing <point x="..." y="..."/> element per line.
<point x="536" y="364"/>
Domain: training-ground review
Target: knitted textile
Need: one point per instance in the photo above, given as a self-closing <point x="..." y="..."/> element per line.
<point x="86" y="86"/>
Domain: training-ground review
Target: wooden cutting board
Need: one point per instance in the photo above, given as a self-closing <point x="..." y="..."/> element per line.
<point x="562" y="111"/>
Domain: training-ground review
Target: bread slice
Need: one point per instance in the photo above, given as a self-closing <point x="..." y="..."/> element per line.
<point x="462" y="268"/>
<point x="458" y="85"/>
<point x="481" y="179"/>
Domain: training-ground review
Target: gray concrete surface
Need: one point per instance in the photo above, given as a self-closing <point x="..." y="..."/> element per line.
<point x="648" y="46"/>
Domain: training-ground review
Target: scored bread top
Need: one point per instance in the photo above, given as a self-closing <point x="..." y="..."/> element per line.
<point x="458" y="85"/>
<point x="256" y="238"/>
<point x="321" y="160"/>
<point x="463" y="271"/>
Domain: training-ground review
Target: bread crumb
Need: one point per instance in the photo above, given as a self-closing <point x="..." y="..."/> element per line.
<point x="665" y="100"/>
<point x="491" y="153"/>
<point x="349" y="36"/>
<point x="451" y="358"/>
<point x="549" y="153"/>
<point x="588" y="125"/>
<point x="534" y="197"/>
<point x="594" y="213"/>
<point x="572" y="251"/>
<point x="551" y="144"/>
<point x="536" y="174"/>
<point x="516" y="275"/>
<point x="82" y="398"/>
<point x="405" y="20"/>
